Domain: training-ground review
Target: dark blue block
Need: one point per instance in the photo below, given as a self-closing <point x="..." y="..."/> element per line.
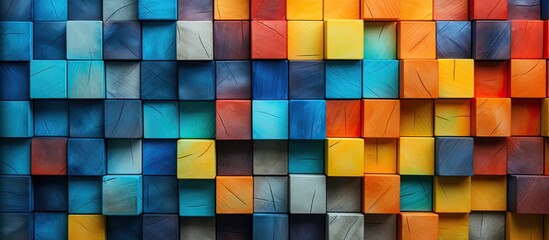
<point x="50" y="225"/>
<point x="51" y="118"/>
<point x="15" y="41"/>
<point x="307" y="119"/>
<point x="14" y="81"/>
<point x="307" y="226"/>
<point x="453" y="39"/>
<point x="50" y="193"/>
<point x="158" y="40"/>
<point x="491" y="40"/>
<point x="85" y="195"/>
<point x="122" y="40"/>
<point x="86" y="118"/>
<point x="545" y="9"/>
<point x="160" y="194"/>
<point x="344" y="79"/>
<point x="271" y="226"/>
<point x="197" y="198"/>
<point x="85" y="9"/>
<point x="16" y="226"/>
<point x="234" y="226"/>
<point x="197" y="80"/>
<point x="123" y="119"/>
<point x="159" y="157"/>
<point x="306" y="80"/>
<point x="524" y="9"/>
<point x="15" y="156"/>
<point x="49" y="10"/>
<point x="124" y="228"/>
<point x="159" y="80"/>
<point x="86" y="157"/>
<point x="16" y="194"/>
<point x="16" y="10"/>
<point x="233" y="79"/>
<point x="416" y="193"/>
<point x="270" y="80"/>
<point x="454" y="156"/>
<point x="160" y="226"/>
<point x="50" y="42"/>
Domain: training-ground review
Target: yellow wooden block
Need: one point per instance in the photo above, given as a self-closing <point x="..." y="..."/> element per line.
<point x="488" y="193"/>
<point x="416" y="9"/>
<point x="344" y="39"/>
<point x="452" y="195"/>
<point x="196" y="159"/>
<point x="344" y="157"/>
<point x="380" y="155"/>
<point x="341" y="9"/>
<point x="416" y="118"/>
<point x="231" y="9"/>
<point x="453" y="226"/>
<point x="545" y="117"/>
<point x="416" y="156"/>
<point x="523" y="226"/>
<point x="84" y="227"/>
<point x="304" y="9"/>
<point x="305" y="40"/>
<point x="452" y="117"/>
<point x="456" y="78"/>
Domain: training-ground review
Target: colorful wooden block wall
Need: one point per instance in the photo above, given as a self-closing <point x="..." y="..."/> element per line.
<point x="274" y="119"/>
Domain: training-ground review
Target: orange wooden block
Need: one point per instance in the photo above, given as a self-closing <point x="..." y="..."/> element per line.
<point x="452" y="226"/>
<point x="525" y="117"/>
<point x="234" y="195"/>
<point x="417" y="40"/>
<point x="490" y="79"/>
<point x="488" y="193"/>
<point x="233" y="119"/>
<point x="490" y="156"/>
<point x="269" y="39"/>
<point x="491" y="117"/>
<point x="488" y="9"/>
<point x="526" y="39"/>
<point x="523" y="226"/>
<point x="416" y="10"/>
<point x="341" y="9"/>
<point x="381" y="193"/>
<point x="451" y="10"/>
<point x="528" y="78"/>
<point x="381" y="118"/>
<point x="416" y="118"/>
<point x="380" y="155"/>
<point x="343" y="118"/>
<point x="419" y="79"/>
<point x="380" y="10"/>
<point x="417" y="225"/>
<point x="231" y="9"/>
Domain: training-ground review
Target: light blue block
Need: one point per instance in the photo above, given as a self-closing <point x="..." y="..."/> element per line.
<point x="86" y="79"/>
<point x="85" y="195"/>
<point x="343" y="79"/>
<point x="15" y="156"/>
<point x="157" y="9"/>
<point x="120" y="10"/>
<point x="306" y="156"/>
<point x="380" y="40"/>
<point x="15" y="41"/>
<point x="197" y="119"/>
<point x="50" y="10"/>
<point x="84" y="40"/>
<point x="50" y="225"/>
<point x="124" y="156"/>
<point x="161" y="119"/>
<point x="123" y="80"/>
<point x="51" y="118"/>
<point x="48" y="79"/>
<point x="197" y="198"/>
<point x="270" y="119"/>
<point x="16" y="119"/>
<point x="122" y="195"/>
<point x="380" y="79"/>
<point x="158" y="40"/>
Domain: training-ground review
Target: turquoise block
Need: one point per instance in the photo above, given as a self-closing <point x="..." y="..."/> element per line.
<point x="380" y="79"/>
<point x="85" y="195"/>
<point x="343" y="79"/>
<point x="161" y="119"/>
<point x="86" y="79"/>
<point x="416" y="193"/>
<point x="380" y="40"/>
<point x="84" y="40"/>
<point x="16" y="119"/>
<point x="197" y="198"/>
<point x="158" y="40"/>
<point x="270" y="119"/>
<point x="124" y="156"/>
<point x="157" y="9"/>
<point x="197" y="119"/>
<point x="122" y="195"/>
<point x="15" y="156"/>
<point x="306" y="156"/>
<point x="50" y="10"/>
<point x="15" y="41"/>
<point x="48" y="79"/>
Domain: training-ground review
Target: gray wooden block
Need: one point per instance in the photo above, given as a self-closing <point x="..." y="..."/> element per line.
<point x="126" y="10"/>
<point x="487" y="225"/>
<point x="380" y="227"/>
<point x="307" y="193"/>
<point x="345" y="226"/>
<point x="123" y="80"/>
<point x="194" y="40"/>
<point x="197" y="228"/>
<point x="343" y="194"/>
<point x="270" y="194"/>
<point x="270" y="157"/>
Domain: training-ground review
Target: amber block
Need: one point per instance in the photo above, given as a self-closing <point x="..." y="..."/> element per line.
<point x="380" y="155"/>
<point x="545" y="117"/>
<point x="525" y="117"/>
<point x="341" y="9"/>
<point x="304" y="10"/>
<point x="523" y="226"/>
<point x="417" y="40"/>
<point x="490" y="79"/>
<point x="491" y="117"/>
<point x="380" y="10"/>
<point x="452" y="117"/>
<point x="305" y="40"/>
<point x="416" y="118"/>
<point x="419" y="79"/>
<point x="453" y="226"/>
<point x="86" y="227"/>
<point x="527" y="78"/>
<point x="488" y="10"/>
<point x="526" y="39"/>
<point x="233" y="119"/>
<point x="343" y="118"/>
<point x="381" y="194"/>
<point x="381" y="118"/>
<point x="49" y="156"/>
<point x="490" y="156"/>
<point x="234" y="195"/>
<point x="451" y="10"/>
<point x="488" y="193"/>
<point x="416" y="10"/>
<point x="269" y="40"/>
<point x="231" y="9"/>
<point x="418" y="225"/>
<point x="452" y="194"/>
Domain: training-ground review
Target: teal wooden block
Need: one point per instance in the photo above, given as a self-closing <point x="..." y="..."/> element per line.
<point x="15" y="156"/>
<point x="84" y="40"/>
<point x="122" y="195"/>
<point x="380" y="79"/>
<point x="116" y="10"/>
<point x="15" y="40"/>
<point x="270" y="119"/>
<point x="380" y="40"/>
<point x="85" y="195"/>
<point x="197" y="198"/>
<point x="306" y="156"/>
<point x="16" y="119"/>
<point x="161" y="119"/>
<point x="157" y="9"/>
<point x="416" y="193"/>
<point x="124" y="156"/>
<point x="197" y="119"/>
<point x="343" y="79"/>
<point x="48" y="79"/>
<point x="158" y="40"/>
<point x="86" y="79"/>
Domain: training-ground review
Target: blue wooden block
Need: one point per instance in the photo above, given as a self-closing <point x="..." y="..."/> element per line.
<point x="380" y="79"/>
<point x="47" y="10"/>
<point x="271" y="194"/>
<point x="123" y="119"/>
<point x="233" y="79"/>
<point x="85" y="195"/>
<point x="343" y="79"/>
<point x="270" y="80"/>
<point x="122" y="40"/>
<point x="160" y="194"/>
<point x="115" y="10"/>
<point x="545" y="9"/>
<point x="307" y="226"/>
<point x="123" y="80"/>
<point x="16" y="226"/>
<point x="157" y="9"/>
<point x="51" y="118"/>
<point x="16" y="118"/>
<point x="196" y="80"/>
<point x="15" y="41"/>
<point x="524" y="9"/>
<point x="124" y="227"/>
<point x="49" y="40"/>
<point x="161" y="119"/>
<point x="86" y="157"/>
<point x="122" y="195"/>
<point x="197" y="119"/>
<point x="416" y="193"/>
<point x="306" y="79"/>
<point x="454" y="156"/>
<point x="159" y="80"/>
<point x="491" y="40"/>
<point x="85" y="9"/>
<point x="453" y="39"/>
<point x="16" y="10"/>
<point x="196" y="198"/>
<point x="15" y="156"/>
<point x="50" y="193"/>
<point x="50" y="225"/>
<point x="14" y="81"/>
<point x="124" y="156"/>
<point x="48" y="79"/>
<point x="86" y="118"/>
<point x="270" y="119"/>
<point x="307" y="119"/>
<point x="159" y="157"/>
<point x="158" y="40"/>
<point x="160" y="226"/>
<point x="306" y="156"/>
<point x="84" y="40"/>
<point x="16" y="194"/>
<point x="271" y="226"/>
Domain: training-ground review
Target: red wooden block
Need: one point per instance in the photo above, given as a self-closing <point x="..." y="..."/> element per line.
<point x="490" y="79"/>
<point x="525" y="155"/>
<point x="451" y="10"/>
<point x="525" y="117"/>
<point x="268" y="9"/>
<point x="526" y="39"/>
<point x="49" y="156"/>
<point x="490" y="156"/>
<point x="546" y="39"/>
<point x="343" y="118"/>
<point x="233" y="119"/>
<point x="488" y="9"/>
<point x="269" y="40"/>
<point x="528" y="194"/>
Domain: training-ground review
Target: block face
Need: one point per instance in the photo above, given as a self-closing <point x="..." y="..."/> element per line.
<point x="452" y="117"/>
<point x="161" y="119"/>
<point x="416" y="156"/>
<point x="123" y="80"/>
<point x="488" y="193"/>
<point x="452" y="194"/>
<point x="521" y="9"/>
<point x="50" y="225"/>
<point x="85" y="10"/>
<point x="233" y="79"/>
<point x="234" y="195"/>
<point x="530" y="34"/>
<point x="159" y="157"/>
<point x="343" y="79"/>
<point x="269" y="39"/>
<point x="160" y="194"/>
<point x="159" y="40"/>
<point x="344" y="224"/>
<point x="197" y="119"/>
<point x="19" y="11"/>
<point x="268" y="10"/>
<point x="16" y="46"/>
<point x="491" y="79"/>
<point x="51" y="118"/>
<point x="17" y="119"/>
<point x="343" y="118"/>
<point x="526" y="194"/>
<point x="116" y="10"/>
<point x="525" y="155"/>
<point x="307" y="194"/>
<point x="454" y="156"/>
<point x="50" y="194"/>
<point x="490" y="35"/>
<point x="380" y="155"/>
<point x="344" y="39"/>
<point x="231" y="40"/>
<point x="453" y="226"/>
<point x="123" y="119"/>
<point x="306" y="80"/>
<point x="86" y="118"/>
<point x="196" y="80"/>
<point x="234" y="158"/>
<point x="307" y="119"/>
<point x="270" y="80"/>
<point x="456" y="78"/>
<point x="305" y="40"/>
<point x="85" y="195"/>
<point x="160" y="226"/>
<point x="419" y="79"/>
<point x="344" y="157"/>
<point x="122" y="39"/>
<point x="270" y="194"/>
<point x="203" y="228"/>
<point x="194" y="40"/>
<point x="416" y="10"/>
<point x="380" y="79"/>
<point x="195" y="159"/>
<point x="380" y="226"/>
<point x="490" y="156"/>
<point x="196" y="197"/>
<point x="191" y="10"/>
<point x="416" y="193"/>
<point x="421" y="225"/>
<point x="491" y="117"/>
<point x="417" y="40"/>
<point x="16" y="194"/>
<point x="270" y="157"/>
<point x="20" y="227"/>
<point x="380" y="38"/>
<point x="124" y="156"/>
<point x="343" y="194"/>
<point x="15" y="81"/>
<point x="157" y="10"/>
<point x="307" y="226"/>
<point x="122" y="195"/>
<point x="485" y="9"/>
<point x="525" y="117"/>
<point x="84" y="40"/>
<point x="270" y="225"/>
<point x="416" y="118"/>
<point x="373" y="10"/>
<point x="16" y="156"/>
<point x="450" y="10"/>
<point x="374" y="111"/>
<point x="49" y="156"/>
<point x="233" y="226"/>
<point x="270" y="119"/>
<point x="231" y="9"/>
<point x="304" y="10"/>
<point x="48" y="79"/>
<point x="86" y="79"/>
<point x="233" y="119"/>
<point x="87" y="227"/>
<point x="381" y="193"/>
<point x="306" y="156"/>
<point x="453" y="37"/>
<point x="348" y="9"/>
<point x="86" y="157"/>
<point x="528" y="79"/>
<point x="486" y="225"/>
<point x="49" y="41"/>
<point x="125" y="227"/>
<point x="518" y="226"/>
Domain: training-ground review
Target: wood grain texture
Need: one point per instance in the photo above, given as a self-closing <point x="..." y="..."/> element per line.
<point x="452" y="194"/>
<point x="269" y="39"/>
<point x="456" y="78"/>
<point x="305" y="40"/>
<point x="196" y="80"/>
<point x="273" y="226"/>
<point x="51" y="118"/>
<point x="197" y="119"/>
<point x="161" y="119"/>
<point x="84" y="40"/>
<point x="416" y="193"/>
<point x="307" y="194"/>
<point x="546" y="35"/>
<point x="488" y="193"/>
<point x="231" y="40"/>
<point x="452" y="117"/>
<point x="380" y="155"/>
<point x="454" y="156"/>
<point x="124" y="227"/>
<point x="343" y="79"/>
<point x="380" y="39"/>
<point x="489" y="36"/>
<point x="20" y="42"/>
<point x="19" y="11"/>
<point x="14" y="78"/>
<point x="525" y="117"/>
<point x="380" y="10"/>
<point x="450" y="10"/>
<point x="197" y="228"/>
<point x="304" y="10"/>
<point x="380" y="79"/>
<point x="373" y="111"/>
<point x="305" y="156"/>
<point x="344" y="157"/>
<point x="453" y="226"/>
<point x="528" y="79"/>
<point x="86" y="79"/>
<point x="416" y="156"/>
<point x="417" y="40"/>
<point x="197" y="198"/>
<point x="344" y="39"/>
<point x="123" y="80"/>
<point x="270" y="80"/>
<point x="122" y="40"/>
<point x="234" y="195"/>
<point x="544" y="114"/>
<point x="381" y="193"/>
<point x="15" y="156"/>
<point x="194" y="40"/>
<point x="525" y="155"/>
<point x="270" y="119"/>
<point x="416" y="10"/>
<point x="158" y="40"/>
<point x="306" y="80"/>
<point x="231" y="9"/>
<point x="233" y="79"/>
<point x="419" y="79"/>
<point x="307" y="226"/>
<point x="233" y="120"/>
<point x="527" y="39"/>
<point x="490" y="156"/>
<point x="122" y="195"/>
<point x="519" y="226"/>
<point x="123" y="156"/>
<point x="453" y="39"/>
<point x="160" y="194"/>
<point x="195" y="10"/>
<point x="50" y="193"/>
<point x="17" y="194"/>
<point x="416" y="118"/>
<point x="524" y="9"/>
<point x="341" y="9"/>
<point x="271" y="194"/>
<point x="196" y="159"/>
<point x="49" y="40"/>
<point x="123" y="119"/>
<point x="413" y="225"/>
<point x="161" y="226"/>
<point x="159" y="157"/>
<point x="268" y="9"/>
<point x="85" y="9"/>
<point x="234" y="158"/>
<point x="50" y="225"/>
<point x="85" y="195"/>
<point x="308" y="119"/>
<point x="120" y="10"/>
<point x="87" y="227"/>
<point x="86" y="118"/>
<point x="491" y="117"/>
<point x="157" y="10"/>
<point x="486" y="225"/>
<point x="491" y="79"/>
<point x="48" y="79"/>
<point x="487" y="9"/>
<point x="49" y="156"/>
<point x="270" y="157"/>
<point x="343" y="118"/>
<point x="343" y="194"/>
<point x="350" y="225"/>
<point x="86" y="157"/>
<point x="382" y="226"/>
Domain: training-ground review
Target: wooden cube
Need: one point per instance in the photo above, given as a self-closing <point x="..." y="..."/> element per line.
<point x="488" y="9"/>
<point x="525" y="117"/>
<point x="416" y="156"/>
<point x="380" y="79"/>
<point x="234" y="226"/>
<point x="49" y="193"/>
<point x="344" y="224"/>
<point x="51" y="118"/>
<point x="453" y="39"/>
<point x="231" y="9"/>
<point x="234" y="195"/>
<point x="190" y="228"/>
<point x="488" y="225"/>
<point x="307" y="194"/>
<point x="160" y="194"/>
<point x="454" y="156"/>
<point x="452" y="195"/>
<point x="154" y="10"/>
<point x="122" y="40"/>
<point x="491" y="79"/>
<point x="268" y="9"/>
<point x="195" y="159"/>
<point x="306" y="226"/>
<point x="305" y="156"/>
<point x="47" y="225"/>
<point x="380" y="155"/>
<point x="490" y="156"/>
<point x="526" y="39"/>
<point x="343" y="194"/>
<point x="419" y="79"/>
<point x="308" y="119"/>
<point x="20" y="42"/>
<point x="306" y="80"/>
<point x="84" y="40"/>
<point x="231" y="40"/>
<point x="269" y="39"/>
<point x="528" y="78"/>
<point x="450" y="10"/>
<point x="87" y="227"/>
<point x="416" y="193"/>
<point x="194" y="40"/>
<point x="344" y="39"/>
<point x="338" y="9"/>
<point x="374" y="111"/>
<point x="270" y="80"/>
<point x="161" y="119"/>
<point x="17" y="194"/>
<point x="123" y="119"/>
<point x="48" y="79"/>
<point x="197" y="198"/>
<point x="456" y="78"/>
<point x="381" y="193"/>
<point x="417" y="225"/>
<point x="124" y="156"/>
<point x="525" y="155"/>
<point x="416" y="40"/>
<point x="416" y="118"/>
<point x="380" y="38"/>
<point x="343" y="79"/>
<point x="546" y="37"/>
<point x="376" y="10"/>
<point x="343" y="118"/>
<point x="305" y="40"/>
<point x="416" y="10"/>
<point x="159" y="157"/>
<point x="270" y="157"/>
<point x="380" y="226"/>
<point x="270" y="225"/>
<point x="16" y="154"/>
<point x="233" y="120"/>
<point x="344" y="157"/>
<point x="520" y="9"/>
<point x="484" y="41"/>
<point x="49" y="156"/>
<point x="488" y="193"/>
<point x="234" y="158"/>
<point x="197" y="119"/>
<point x="452" y="117"/>
<point x="270" y="194"/>
<point x="453" y="226"/>
<point x="160" y="226"/>
<point x="270" y="119"/>
<point x="521" y="226"/>
<point x="527" y="194"/>
<point x="491" y="117"/>
<point x="304" y="10"/>
<point x="122" y="195"/>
